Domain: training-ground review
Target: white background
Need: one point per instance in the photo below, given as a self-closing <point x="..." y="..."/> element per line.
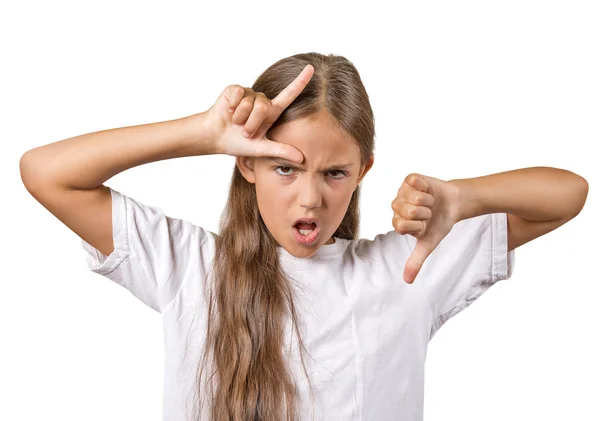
<point x="459" y="89"/>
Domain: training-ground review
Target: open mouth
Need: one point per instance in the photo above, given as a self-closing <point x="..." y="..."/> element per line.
<point x="306" y="232"/>
<point x="305" y="228"/>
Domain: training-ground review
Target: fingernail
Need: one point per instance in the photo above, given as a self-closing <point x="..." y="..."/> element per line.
<point x="246" y="134"/>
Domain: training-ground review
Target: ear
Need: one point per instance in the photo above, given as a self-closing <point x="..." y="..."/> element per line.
<point x="365" y="169"/>
<point x="246" y="166"/>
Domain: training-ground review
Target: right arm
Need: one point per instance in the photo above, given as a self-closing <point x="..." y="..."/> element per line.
<point x="66" y="176"/>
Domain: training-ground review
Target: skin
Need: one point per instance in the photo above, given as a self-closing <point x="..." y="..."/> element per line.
<point x="312" y="189"/>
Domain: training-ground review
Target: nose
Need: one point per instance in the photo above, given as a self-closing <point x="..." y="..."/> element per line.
<point x="310" y="193"/>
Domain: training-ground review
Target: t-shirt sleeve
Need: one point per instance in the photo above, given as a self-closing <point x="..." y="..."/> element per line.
<point x="151" y="251"/>
<point x="468" y="261"/>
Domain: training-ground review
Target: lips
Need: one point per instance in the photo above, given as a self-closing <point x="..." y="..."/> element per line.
<point x="308" y="221"/>
<point x="309" y="239"/>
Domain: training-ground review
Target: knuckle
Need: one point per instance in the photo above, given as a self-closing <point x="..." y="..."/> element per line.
<point x="261" y="106"/>
<point x="246" y="102"/>
<point x="401" y="225"/>
<point x="406" y="211"/>
<point x="235" y="89"/>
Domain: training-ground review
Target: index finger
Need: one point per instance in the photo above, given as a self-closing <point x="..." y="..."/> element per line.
<point x="289" y="94"/>
<point x="417" y="182"/>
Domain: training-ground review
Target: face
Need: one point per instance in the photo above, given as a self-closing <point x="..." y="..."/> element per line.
<point x="320" y="187"/>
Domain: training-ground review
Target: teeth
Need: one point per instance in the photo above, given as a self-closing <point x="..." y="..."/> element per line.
<point x="305" y="232"/>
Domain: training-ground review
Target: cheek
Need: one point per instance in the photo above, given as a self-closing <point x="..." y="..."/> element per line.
<point x="272" y="200"/>
<point x="342" y="199"/>
<point x="271" y="191"/>
<point x="342" y="193"/>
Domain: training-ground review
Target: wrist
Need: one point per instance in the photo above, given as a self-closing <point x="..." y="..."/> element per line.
<point x="467" y="204"/>
<point x="200" y="140"/>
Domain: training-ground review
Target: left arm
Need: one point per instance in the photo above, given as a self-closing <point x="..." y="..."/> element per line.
<point x="536" y="200"/>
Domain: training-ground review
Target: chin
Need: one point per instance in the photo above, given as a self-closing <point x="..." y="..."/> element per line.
<point x="303" y="252"/>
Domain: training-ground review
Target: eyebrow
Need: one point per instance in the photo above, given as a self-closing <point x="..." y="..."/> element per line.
<point x="295" y="164"/>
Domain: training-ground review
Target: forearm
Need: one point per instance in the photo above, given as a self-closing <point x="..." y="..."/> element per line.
<point x="88" y="160"/>
<point x="535" y="193"/>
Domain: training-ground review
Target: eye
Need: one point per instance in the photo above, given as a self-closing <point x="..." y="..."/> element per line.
<point x="283" y="175"/>
<point x="341" y="173"/>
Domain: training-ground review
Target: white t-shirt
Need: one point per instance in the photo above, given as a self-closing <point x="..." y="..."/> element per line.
<point x="366" y="330"/>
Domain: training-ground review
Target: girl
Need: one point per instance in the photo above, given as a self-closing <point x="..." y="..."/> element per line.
<point x="287" y="277"/>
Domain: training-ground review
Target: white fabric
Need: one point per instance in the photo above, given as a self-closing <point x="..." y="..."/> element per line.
<point x="366" y="330"/>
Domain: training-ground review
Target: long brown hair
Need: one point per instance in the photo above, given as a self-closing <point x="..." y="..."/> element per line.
<point x="252" y="294"/>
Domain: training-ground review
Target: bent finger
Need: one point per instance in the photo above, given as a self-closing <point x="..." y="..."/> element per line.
<point x="421" y="213"/>
<point x="421" y="199"/>
<point x="235" y="95"/>
<point x="258" y="114"/>
<point x="405" y="226"/>
<point x="417" y="182"/>
<point x="243" y="110"/>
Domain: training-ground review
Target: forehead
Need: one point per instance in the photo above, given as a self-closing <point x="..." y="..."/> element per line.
<point x="319" y="138"/>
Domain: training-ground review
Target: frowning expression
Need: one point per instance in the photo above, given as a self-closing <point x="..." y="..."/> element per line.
<point x="320" y="187"/>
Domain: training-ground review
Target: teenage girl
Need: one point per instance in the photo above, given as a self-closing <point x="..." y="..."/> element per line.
<point x="286" y="314"/>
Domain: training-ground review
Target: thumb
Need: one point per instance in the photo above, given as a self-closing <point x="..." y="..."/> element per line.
<point x="267" y="147"/>
<point x="416" y="260"/>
